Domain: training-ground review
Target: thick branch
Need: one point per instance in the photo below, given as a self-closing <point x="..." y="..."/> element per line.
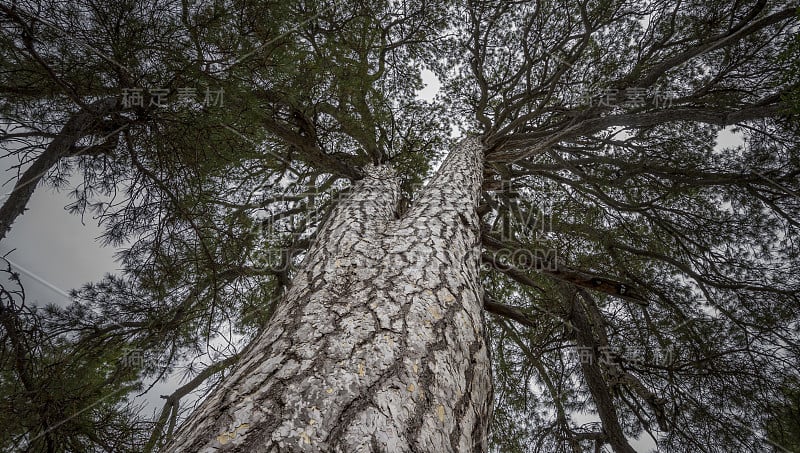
<point x="558" y="271"/>
<point x="508" y="311"/>
<point x="76" y="127"/>
<point x="601" y="393"/>
<point x="513" y="152"/>
<point x="172" y="401"/>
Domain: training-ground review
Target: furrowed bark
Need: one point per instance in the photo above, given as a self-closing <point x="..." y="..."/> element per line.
<point x="379" y="343"/>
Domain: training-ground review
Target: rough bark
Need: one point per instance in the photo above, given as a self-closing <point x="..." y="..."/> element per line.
<point x="379" y="343"/>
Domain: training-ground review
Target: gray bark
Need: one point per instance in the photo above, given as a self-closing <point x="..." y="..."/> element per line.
<point x="379" y="343"/>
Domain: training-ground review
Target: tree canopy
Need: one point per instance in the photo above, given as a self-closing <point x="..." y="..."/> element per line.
<point x="640" y="274"/>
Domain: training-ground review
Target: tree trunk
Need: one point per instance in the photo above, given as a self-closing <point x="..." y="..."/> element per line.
<point x="379" y="343"/>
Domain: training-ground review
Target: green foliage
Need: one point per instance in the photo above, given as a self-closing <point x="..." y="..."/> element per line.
<point x="58" y="394"/>
<point x="791" y="96"/>
<point x="783" y="427"/>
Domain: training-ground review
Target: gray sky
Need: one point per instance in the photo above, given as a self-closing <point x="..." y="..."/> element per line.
<point x="55" y="252"/>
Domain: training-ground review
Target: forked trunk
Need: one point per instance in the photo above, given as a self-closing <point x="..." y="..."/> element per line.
<point x="379" y="343"/>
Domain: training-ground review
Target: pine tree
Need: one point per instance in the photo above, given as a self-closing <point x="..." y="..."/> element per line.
<point x="638" y="279"/>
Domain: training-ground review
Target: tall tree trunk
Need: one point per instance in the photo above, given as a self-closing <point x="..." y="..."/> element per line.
<point x="379" y="343"/>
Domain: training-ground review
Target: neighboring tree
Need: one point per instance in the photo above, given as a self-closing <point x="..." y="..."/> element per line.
<point x="783" y="427"/>
<point x="640" y="279"/>
<point x="57" y="396"/>
<point x="62" y="105"/>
